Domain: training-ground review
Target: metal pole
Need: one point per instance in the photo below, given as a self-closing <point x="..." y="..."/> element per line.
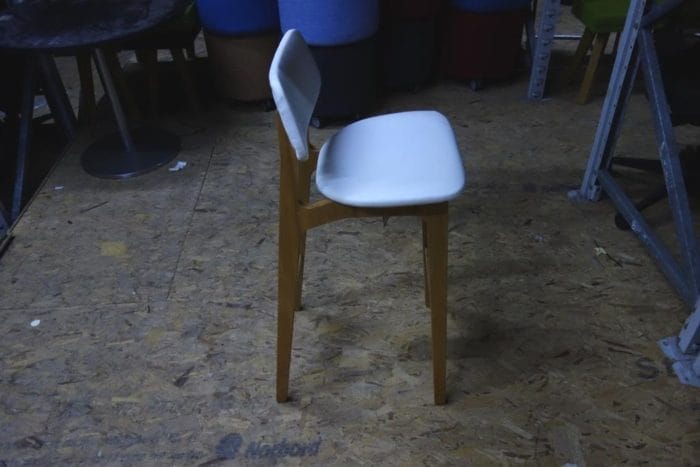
<point x="111" y="92"/>
<point x="542" y="47"/>
<point x="58" y="99"/>
<point x="615" y="101"/>
<point x="670" y="161"/>
<point x="25" y="130"/>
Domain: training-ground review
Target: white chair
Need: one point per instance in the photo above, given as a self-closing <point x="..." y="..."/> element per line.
<point x="399" y="164"/>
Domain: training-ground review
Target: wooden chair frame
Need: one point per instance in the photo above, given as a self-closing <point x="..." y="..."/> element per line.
<point x="297" y="215"/>
<point x="596" y="43"/>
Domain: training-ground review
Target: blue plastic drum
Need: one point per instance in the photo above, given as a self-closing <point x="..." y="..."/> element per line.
<point x="330" y="22"/>
<point x="238" y="17"/>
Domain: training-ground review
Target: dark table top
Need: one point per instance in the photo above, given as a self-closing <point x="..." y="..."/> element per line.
<point x="74" y="24"/>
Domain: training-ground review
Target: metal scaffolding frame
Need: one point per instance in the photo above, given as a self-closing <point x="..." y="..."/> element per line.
<point x="637" y="53"/>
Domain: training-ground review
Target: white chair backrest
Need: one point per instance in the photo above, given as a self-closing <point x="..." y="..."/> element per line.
<point x="296" y="83"/>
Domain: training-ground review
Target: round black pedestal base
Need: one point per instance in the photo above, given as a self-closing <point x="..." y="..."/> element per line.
<point x="108" y="158"/>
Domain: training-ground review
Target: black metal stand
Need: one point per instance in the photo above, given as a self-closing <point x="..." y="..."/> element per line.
<point x="38" y="66"/>
<point x="129" y="152"/>
<point x="38" y="28"/>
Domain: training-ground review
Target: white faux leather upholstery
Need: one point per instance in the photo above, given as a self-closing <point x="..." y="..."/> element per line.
<point x="398" y="159"/>
<point x="296" y="83"/>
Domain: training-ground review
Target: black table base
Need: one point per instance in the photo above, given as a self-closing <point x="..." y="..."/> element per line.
<point x="40" y="28"/>
<point x="108" y="158"/>
<point x="130" y="152"/>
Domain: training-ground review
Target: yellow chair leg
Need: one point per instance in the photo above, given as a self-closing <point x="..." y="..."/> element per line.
<point x="291" y="241"/>
<point x="299" y="279"/>
<point x="584" y="94"/>
<point x="287" y="292"/>
<point x="584" y="45"/>
<point x="426" y="260"/>
<point x="437" y="269"/>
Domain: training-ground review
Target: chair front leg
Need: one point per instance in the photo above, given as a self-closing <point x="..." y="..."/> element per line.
<point x="437" y="271"/>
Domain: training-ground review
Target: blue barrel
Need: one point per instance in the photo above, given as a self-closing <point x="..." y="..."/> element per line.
<point x="490" y="6"/>
<point x="330" y="22"/>
<point x="238" y="17"/>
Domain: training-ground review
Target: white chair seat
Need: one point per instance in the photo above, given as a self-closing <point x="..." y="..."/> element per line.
<point x="400" y="159"/>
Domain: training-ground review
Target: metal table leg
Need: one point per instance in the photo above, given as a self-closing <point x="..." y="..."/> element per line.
<point x="37" y="66"/>
<point x="56" y="96"/>
<point x="129" y="152"/>
<point x="25" y="129"/>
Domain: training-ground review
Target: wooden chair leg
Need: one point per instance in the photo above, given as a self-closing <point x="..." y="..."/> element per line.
<point x="426" y="272"/>
<point x="437" y="269"/>
<point x="584" y="45"/>
<point x="299" y="280"/>
<point x="87" y="107"/>
<point x="288" y="280"/>
<point x="186" y="77"/>
<point x="286" y="298"/>
<point x="584" y="94"/>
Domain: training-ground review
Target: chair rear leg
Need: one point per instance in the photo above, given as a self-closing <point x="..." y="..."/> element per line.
<point x="299" y="281"/>
<point x="584" y="95"/>
<point x="287" y="293"/>
<point x="426" y="273"/>
<point x="584" y="46"/>
<point x="437" y="271"/>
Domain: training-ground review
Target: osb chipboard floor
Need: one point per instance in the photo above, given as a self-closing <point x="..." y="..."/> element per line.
<point x="156" y="297"/>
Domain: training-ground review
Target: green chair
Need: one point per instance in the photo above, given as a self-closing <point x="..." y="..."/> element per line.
<point x="601" y="18"/>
